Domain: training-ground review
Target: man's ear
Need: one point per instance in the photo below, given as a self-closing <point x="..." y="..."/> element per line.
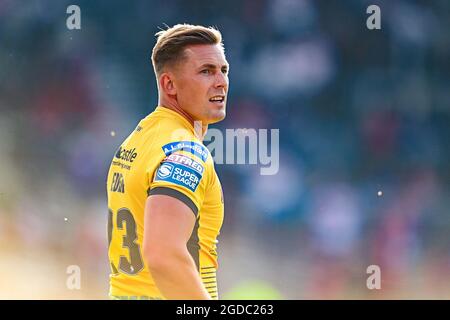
<point x="167" y="84"/>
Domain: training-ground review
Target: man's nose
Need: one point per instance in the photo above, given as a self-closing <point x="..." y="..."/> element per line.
<point x="221" y="80"/>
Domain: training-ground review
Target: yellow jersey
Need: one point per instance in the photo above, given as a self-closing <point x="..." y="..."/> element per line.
<point x="161" y="156"/>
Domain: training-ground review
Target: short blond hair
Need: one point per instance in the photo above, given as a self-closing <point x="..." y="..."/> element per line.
<point x="170" y="44"/>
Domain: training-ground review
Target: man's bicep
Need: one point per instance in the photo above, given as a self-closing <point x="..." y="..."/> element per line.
<point x="174" y="193"/>
<point x="168" y="222"/>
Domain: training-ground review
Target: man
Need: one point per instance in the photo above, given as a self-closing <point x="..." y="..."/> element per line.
<point x="165" y="199"/>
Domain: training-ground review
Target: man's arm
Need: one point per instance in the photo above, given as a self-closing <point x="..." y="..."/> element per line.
<point x="168" y="224"/>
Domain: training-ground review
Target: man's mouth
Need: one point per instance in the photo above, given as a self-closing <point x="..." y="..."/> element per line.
<point x="217" y="99"/>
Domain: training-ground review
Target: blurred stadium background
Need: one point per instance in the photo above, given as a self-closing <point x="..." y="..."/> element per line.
<point x="359" y="112"/>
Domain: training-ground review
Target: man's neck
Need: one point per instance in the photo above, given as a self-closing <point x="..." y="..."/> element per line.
<point x="199" y="128"/>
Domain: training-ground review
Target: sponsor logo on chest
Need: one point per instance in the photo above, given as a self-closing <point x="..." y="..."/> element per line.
<point x="181" y="159"/>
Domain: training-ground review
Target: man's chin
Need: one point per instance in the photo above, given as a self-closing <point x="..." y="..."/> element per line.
<point x="214" y="116"/>
<point x="217" y="117"/>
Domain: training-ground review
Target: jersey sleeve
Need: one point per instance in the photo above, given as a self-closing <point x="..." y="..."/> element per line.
<point x="182" y="174"/>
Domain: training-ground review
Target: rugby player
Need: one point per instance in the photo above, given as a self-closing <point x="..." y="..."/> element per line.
<point x="165" y="199"/>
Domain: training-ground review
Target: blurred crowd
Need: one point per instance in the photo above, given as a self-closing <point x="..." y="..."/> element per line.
<point x="363" y="118"/>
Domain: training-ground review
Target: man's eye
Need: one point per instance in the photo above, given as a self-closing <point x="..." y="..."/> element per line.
<point x="206" y="71"/>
